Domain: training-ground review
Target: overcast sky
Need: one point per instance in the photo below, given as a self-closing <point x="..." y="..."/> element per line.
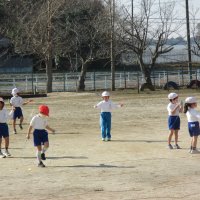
<point x="180" y="11"/>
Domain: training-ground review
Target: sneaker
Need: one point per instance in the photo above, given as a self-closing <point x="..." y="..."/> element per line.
<point x="103" y="139"/>
<point x="108" y="139"/>
<point x="2" y="155"/>
<point x="15" y="131"/>
<point x="170" y="146"/>
<point x="20" y="126"/>
<point x="194" y="151"/>
<point x="41" y="164"/>
<point x="7" y="154"/>
<point x="43" y="156"/>
<point x="176" y="146"/>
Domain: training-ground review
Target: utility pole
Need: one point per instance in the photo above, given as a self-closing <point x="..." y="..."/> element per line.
<point x="49" y="47"/>
<point x="188" y="40"/>
<point x="112" y="42"/>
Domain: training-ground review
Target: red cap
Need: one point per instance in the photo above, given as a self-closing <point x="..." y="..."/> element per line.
<point x="44" y="110"/>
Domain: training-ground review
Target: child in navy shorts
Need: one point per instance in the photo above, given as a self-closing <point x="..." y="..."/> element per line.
<point x="193" y="117"/>
<point x="16" y="102"/>
<point x="173" y="108"/>
<point x="40" y="135"/>
<point x="4" y="131"/>
<point x="106" y="107"/>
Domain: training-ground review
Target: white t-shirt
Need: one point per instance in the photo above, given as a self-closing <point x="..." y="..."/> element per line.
<point x="171" y="107"/>
<point x="16" y="101"/>
<point x="192" y="115"/>
<point x="4" y="115"/>
<point x="107" y="106"/>
<point x="39" y="122"/>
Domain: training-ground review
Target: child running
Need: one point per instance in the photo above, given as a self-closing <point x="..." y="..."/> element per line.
<point x="40" y="135"/>
<point x="4" y="131"/>
<point x="174" y="107"/>
<point x="16" y="102"/>
<point x="106" y="107"/>
<point x="193" y="124"/>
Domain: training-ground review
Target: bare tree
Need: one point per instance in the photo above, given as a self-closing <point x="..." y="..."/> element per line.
<point x="84" y="29"/>
<point x="145" y="37"/>
<point x="195" y="47"/>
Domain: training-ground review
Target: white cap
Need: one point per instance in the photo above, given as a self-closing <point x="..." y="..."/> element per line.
<point x="190" y="100"/>
<point x="1" y="99"/>
<point x="14" y="91"/>
<point x="105" y="94"/>
<point x="172" y="95"/>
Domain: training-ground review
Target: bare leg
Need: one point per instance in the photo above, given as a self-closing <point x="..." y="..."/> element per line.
<point x="194" y="141"/>
<point x="14" y="125"/>
<point x="176" y="137"/>
<point x="170" y="136"/>
<point x="6" y="142"/>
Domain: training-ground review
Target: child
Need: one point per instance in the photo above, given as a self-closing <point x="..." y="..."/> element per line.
<point x="193" y="125"/>
<point x="40" y="135"/>
<point x="106" y="107"/>
<point x="16" y="101"/>
<point x="174" y="107"/>
<point x="4" y="132"/>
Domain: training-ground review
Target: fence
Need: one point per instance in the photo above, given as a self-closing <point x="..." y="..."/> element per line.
<point x="93" y="80"/>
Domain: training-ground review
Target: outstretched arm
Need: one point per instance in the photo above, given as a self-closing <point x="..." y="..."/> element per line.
<point x="27" y="102"/>
<point x="50" y="129"/>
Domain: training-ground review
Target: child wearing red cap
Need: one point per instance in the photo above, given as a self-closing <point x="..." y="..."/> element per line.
<point x="40" y="135"/>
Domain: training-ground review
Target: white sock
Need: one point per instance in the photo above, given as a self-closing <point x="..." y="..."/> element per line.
<point x="38" y="155"/>
<point x="44" y="149"/>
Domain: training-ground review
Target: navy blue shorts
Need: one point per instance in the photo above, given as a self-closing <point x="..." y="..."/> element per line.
<point x="40" y="137"/>
<point x="17" y="113"/>
<point x="193" y="128"/>
<point x="174" y="122"/>
<point x="4" y="130"/>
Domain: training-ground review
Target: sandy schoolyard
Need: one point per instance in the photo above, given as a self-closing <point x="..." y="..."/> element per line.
<point x="135" y="165"/>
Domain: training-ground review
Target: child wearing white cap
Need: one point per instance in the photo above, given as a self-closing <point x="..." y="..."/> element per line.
<point x="173" y="108"/>
<point x="193" y="117"/>
<point x="16" y="101"/>
<point x="4" y="131"/>
<point x="106" y="107"/>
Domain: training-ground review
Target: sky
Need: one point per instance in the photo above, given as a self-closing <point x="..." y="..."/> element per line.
<point x="194" y="7"/>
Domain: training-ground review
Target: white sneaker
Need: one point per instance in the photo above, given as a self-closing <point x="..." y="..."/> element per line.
<point x="6" y="153"/>
<point x="2" y="155"/>
<point x="195" y="151"/>
<point x="103" y="139"/>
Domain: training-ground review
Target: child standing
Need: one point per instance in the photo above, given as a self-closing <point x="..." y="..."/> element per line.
<point x="16" y="102"/>
<point x="193" y="124"/>
<point x="40" y="135"/>
<point x="106" y="107"/>
<point x="174" y="107"/>
<point x="4" y="132"/>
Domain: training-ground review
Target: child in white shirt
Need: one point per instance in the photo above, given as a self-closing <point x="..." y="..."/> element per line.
<point x="4" y="131"/>
<point x="173" y="108"/>
<point x="16" y="101"/>
<point x="193" y="117"/>
<point x="106" y="107"/>
<point x="40" y="135"/>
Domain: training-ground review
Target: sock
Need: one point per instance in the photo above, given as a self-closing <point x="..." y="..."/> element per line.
<point x="44" y="149"/>
<point x="38" y="155"/>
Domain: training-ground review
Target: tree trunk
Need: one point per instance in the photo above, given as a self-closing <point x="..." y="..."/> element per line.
<point x="81" y="83"/>
<point x="49" y="75"/>
<point x="147" y="76"/>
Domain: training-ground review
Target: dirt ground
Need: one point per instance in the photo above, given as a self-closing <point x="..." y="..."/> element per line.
<point x="135" y="165"/>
